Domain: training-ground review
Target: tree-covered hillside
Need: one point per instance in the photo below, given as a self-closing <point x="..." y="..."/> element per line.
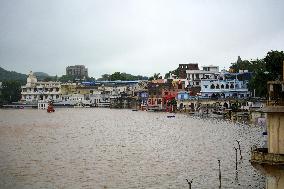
<point x="11" y="75"/>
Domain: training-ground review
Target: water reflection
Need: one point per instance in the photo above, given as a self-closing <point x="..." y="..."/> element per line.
<point x="103" y="148"/>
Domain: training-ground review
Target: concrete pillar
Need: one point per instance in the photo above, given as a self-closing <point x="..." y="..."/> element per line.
<point x="275" y="180"/>
<point x="283" y="71"/>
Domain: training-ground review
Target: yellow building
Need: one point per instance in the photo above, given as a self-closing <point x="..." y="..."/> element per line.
<point x="68" y="88"/>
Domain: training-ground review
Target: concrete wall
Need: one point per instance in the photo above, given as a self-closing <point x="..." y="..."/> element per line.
<point x="276" y="133"/>
<point x="276" y="181"/>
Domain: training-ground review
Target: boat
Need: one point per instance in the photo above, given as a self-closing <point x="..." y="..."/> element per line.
<point x="171" y="116"/>
<point x="50" y="108"/>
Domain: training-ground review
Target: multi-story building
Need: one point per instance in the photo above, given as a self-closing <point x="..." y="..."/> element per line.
<point x="155" y="98"/>
<point x="195" y="76"/>
<point x="224" y="88"/>
<point x="183" y="67"/>
<point x="211" y="68"/>
<point x="163" y="92"/>
<point x="34" y="91"/>
<point x="78" y="71"/>
<point x="270" y="159"/>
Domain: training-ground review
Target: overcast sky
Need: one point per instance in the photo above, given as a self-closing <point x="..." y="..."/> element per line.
<point x="135" y="36"/>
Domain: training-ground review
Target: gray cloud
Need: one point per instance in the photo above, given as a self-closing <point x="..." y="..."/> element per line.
<point x="139" y="37"/>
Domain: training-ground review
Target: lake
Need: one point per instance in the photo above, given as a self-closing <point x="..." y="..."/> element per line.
<point x="114" y="148"/>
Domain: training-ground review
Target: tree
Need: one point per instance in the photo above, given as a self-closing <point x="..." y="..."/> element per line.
<point x="117" y="76"/>
<point x="91" y="79"/>
<point x="155" y="77"/>
<point x="242" y="65"/>
<point x="274" y="64"/>
<point x="66" y="78"/>
<point x="267" y="69"/>
<point x="105" y="77"/>
<point x="175" y="72"/>
<point x="11" y="91"/>
<point x="258" y="84"/>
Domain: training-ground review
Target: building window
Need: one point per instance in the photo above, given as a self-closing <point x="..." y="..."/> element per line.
<point x="227" y="86"/>
<point x="205" y="86"/>
<point x="212" y="86"/>
<point x="222" y="86"/>
<point x="232" y="86"/>
<point x="217" y="86"/>
<point x="196" y="83"/>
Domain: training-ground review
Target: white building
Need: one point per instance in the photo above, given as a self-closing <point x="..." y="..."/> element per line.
<point x="100" y="100"/>
<point x="208" y="72"/>
<point x="224" y="88"/>
<point x="34" y="91"/>
<point x="211" y="68"/>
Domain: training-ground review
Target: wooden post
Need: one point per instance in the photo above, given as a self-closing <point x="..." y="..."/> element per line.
<point x="237" y="176"/>
<point x="240" y="149"/>
<point x="219" y="162"/>
<point x="189" y="183"/>
<point x="236" y="150"/>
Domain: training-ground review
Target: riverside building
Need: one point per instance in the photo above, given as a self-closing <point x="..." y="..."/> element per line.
<point x="224" y="88"/>
<point x="35" y="91"/>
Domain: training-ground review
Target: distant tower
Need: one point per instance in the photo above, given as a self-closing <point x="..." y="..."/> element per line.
<point x="31" y="80"/>
<point x="77" y="71"/>
<point x="239" y="59"/>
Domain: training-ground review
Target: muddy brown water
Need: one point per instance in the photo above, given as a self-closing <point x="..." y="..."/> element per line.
<point x="108" y="148"/>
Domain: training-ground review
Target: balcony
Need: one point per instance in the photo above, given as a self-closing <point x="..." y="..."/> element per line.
<point x="261" y="156"/>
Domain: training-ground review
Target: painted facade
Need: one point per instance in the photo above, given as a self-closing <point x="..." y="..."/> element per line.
<point x="224" y="88"/>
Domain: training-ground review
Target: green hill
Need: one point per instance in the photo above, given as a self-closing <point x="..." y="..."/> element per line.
<point x="12" y="75"/>
<point x="41" y="76"/>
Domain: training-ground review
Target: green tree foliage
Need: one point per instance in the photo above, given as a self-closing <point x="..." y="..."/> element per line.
<point x="91" y="79"/>
<point x="274" y="64"/>
<point x="105" y="77"/>
<point x="258" y="84"/>
<point x="175" y="72"/>
<point x="155" y="77"/>
<point x="242" y="65"/>
<point x="41" y="76"/>
<point x="117" y="76"/>
<point x="10" y="92"/>
<point x="267" y="69"/>
<point x="67" y="78"/>
<point x="121" y="76"/>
